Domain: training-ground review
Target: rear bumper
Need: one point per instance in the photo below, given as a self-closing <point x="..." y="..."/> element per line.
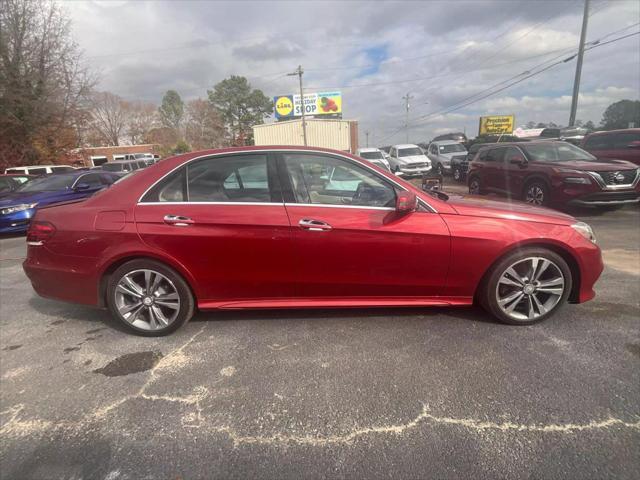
<point x="62" y="277"/>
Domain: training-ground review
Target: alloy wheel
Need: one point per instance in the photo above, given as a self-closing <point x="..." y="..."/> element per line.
<point x="147" y="299"/>
<point x="474" y="187"/>
<point x="535" y="195"/>
<point x="530" y="288"/>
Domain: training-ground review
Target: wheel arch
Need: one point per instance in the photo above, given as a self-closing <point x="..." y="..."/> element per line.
<point x="566" y="255"/>
<point x="114" y="264"/>
<point x="532" y="178"/>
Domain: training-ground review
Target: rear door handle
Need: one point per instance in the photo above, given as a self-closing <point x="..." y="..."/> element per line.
<point x="178" y="220"/>
<point x="314" y="225"/>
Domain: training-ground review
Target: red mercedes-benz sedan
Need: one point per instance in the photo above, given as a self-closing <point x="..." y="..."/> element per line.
<point x="292" y="227"/>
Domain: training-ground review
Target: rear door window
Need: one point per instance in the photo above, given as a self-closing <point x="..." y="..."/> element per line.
<point x="598" y="142"/>
<point x="623" y="139"/>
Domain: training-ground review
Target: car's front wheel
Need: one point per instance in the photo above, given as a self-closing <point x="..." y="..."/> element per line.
<point x="475" y="187"/>
<point x="149" y="298"/>
<point x="457" y="174"/>
<point x="536" y="193"/>
<point x="526" y="286"/>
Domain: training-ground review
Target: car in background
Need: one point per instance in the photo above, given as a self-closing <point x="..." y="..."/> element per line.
<point x="553" y="173"/>
<point x="192" y="234"/>
<point x="408" y="160"/>
<point x="375" y="156"/>
<point x="123" y="166"/>
<point x="18" y="207"/>
<point x="614" y="144"/>
<point x="11" y="182"/>
<point x="40" y="169"/>
<point x="455" y="136"/>
<point x="443" y="152"/>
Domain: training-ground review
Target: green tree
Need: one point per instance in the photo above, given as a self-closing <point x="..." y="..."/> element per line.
<point x="621" y="114"/>
<point x="241" y="107"/>
<point x="180" y="147"/>
<point x="172" y="110"/>
<point x="589" y="125"/>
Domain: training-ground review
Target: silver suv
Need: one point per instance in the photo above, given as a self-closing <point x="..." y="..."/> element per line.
<point x="443" y="152"/>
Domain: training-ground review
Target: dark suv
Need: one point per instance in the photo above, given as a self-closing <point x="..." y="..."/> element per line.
<point x="617" y="144"/>
<point x="553" y="172"/>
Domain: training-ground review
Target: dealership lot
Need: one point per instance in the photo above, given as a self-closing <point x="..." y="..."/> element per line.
<point x="405" y="393"/>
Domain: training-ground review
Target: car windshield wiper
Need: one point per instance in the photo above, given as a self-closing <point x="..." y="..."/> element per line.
<point x="438" y="194"/>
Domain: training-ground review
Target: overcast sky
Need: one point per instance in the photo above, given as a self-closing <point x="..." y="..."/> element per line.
<point x="441" y="52"/>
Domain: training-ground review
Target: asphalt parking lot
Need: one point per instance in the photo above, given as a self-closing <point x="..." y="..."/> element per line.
<point x="394" y="393"/>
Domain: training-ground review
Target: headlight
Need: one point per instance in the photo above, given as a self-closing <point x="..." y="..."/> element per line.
<point x="584" y="230"/>
<point x="17" y="208"/>
<point x="577" y="180"/>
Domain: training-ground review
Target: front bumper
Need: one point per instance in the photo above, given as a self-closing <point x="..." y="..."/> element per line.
<point x="603" y="199"/>
<point x="414" y="172"/>
<point x="17" y="222"/>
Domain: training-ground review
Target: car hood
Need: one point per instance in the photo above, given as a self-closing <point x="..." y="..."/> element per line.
<point x="41" y="198"/>
<point x="453" y="154"/>
<point x="509" y="210"/>
<point x="413" y="159"/>
<point x="595" y="166"/>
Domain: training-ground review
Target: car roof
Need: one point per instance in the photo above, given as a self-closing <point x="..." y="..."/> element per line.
<point x="405" y="145"/>
<point x="622" y="130"/>
<point x="368" y="149"/>
<point x="16" y="175"/>
<point x="446" y="142"/>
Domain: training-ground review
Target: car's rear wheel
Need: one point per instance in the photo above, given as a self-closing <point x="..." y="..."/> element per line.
<point x="536" y="193"/>
<point x="149" y="298"/>
<point x="527" y="286"/>
<point x="475" y="187"/>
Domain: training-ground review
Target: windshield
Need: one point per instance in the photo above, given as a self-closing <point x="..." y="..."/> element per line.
<point x="556" y="152"/>
<point x="43" y="184"/>
<point x="453" y="147"/>
<point x="409" y="152"/>
<point x="371" y="155"/>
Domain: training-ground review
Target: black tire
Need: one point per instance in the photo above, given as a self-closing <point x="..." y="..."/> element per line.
<point x="186" y="301"/>
<point x="488" y="292"/>
<point x="475" y="188"/>
<point x="457" y="174"/>
<point x="536" y="192"/>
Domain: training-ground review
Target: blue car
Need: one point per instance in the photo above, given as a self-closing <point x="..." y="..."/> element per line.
<point x="18" y="207"/>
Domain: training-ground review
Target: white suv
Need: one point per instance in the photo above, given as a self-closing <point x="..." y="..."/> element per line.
<point x="408" y="160"/>
<point x="375" y="156"/>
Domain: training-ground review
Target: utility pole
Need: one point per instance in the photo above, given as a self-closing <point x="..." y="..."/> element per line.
<point x="367" y="134"/>
<point x="407" y="98"/>
<point x="576" y="81"/>
<point x="299" y="73"/>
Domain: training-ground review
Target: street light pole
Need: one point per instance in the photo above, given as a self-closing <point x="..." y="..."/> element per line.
<point x="407" y="98"/>
<point x="576" y="81"/>
<point x="299" y="73"/>
<point x="367" y="134"/>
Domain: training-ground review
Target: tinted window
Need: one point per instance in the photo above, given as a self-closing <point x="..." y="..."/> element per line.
<point x="556" y="152"/>
<point x="15" y="170"/>
<point x="513" y="153"/>
<point x="112" y="167"/>
<point x="37" y="171"/>
<point x="495" y="154"/>
<point x="621" y="140"/>
<point x="50" y="183"/>
<point x="598" y="142"/>
<point x="92" y="179"/>
<point x="324" y="180"/>
<point x="62" y="169"/>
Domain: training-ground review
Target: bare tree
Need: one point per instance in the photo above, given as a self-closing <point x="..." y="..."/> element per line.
<point x="109" y="115"/>
<point x="42" y="82"/>
<point x="204" y="127"/>
<point x="142" y="118"/>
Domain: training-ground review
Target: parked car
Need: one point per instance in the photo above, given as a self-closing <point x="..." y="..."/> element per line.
<point x="553" y="173"/>
<point x="408" y="160"/>
<point x="11" y="182"/>
<point x="456" y="136"/>
<point x="443" y="152"/>
<point x="259" y="227"/>
<point x="375" y="156"/>
<point x="18" y="207"/>
<point x="614" y="144"/>
<point x="40" y="169"/>
<point x="123" y="165"/>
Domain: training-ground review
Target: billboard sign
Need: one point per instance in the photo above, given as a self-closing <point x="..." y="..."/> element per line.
<point x="496" y="125"/>
<point x="315" y="104"/>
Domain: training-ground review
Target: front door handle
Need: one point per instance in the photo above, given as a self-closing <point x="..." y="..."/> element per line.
<point x="314" y="225"/>
<point x="178" y="220"/>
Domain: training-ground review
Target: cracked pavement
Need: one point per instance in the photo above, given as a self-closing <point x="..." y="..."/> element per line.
<point x="392" y="393"/>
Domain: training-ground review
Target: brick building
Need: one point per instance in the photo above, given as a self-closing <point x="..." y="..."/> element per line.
<point x="92" y="156"/>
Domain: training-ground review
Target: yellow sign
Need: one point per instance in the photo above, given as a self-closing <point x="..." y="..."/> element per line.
<point x="284" y="106"/>
<point x="496" y="124"/>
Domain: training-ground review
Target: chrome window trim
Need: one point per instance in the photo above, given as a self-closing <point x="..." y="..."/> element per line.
<point x="600" y="181"/>
<point x="329" y="205"/>
<point x="248" y="152"/>
<point x="270" y="204"/>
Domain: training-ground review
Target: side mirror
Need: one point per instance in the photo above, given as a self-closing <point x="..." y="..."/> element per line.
<point x="406" y="202"/>
<point x="81" y="187"/>
<point x="518" y="161"/>
<point x="634" y="144"/>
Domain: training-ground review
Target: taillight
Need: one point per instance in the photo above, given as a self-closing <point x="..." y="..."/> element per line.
<point x="40" y="232"/>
